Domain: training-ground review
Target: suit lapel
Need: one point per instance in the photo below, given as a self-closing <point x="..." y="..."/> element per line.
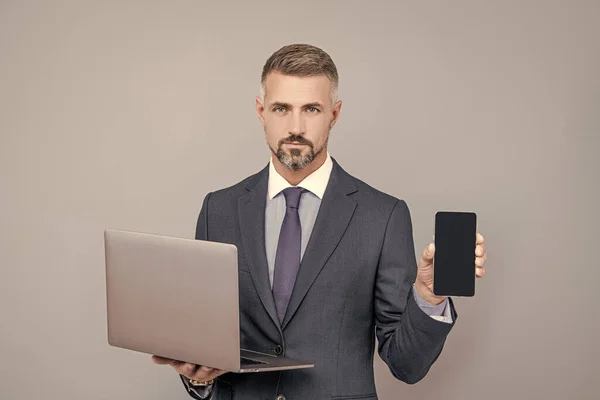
<point x="251" y="211"/>
<point x="333" y="218"/>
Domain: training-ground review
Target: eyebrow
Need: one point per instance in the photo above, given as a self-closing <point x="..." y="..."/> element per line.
<point x="287" y="105"/>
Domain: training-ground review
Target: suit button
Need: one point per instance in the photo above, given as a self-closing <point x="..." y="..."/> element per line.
<point x="278" y="351"/>
<point x="280" y="397"/>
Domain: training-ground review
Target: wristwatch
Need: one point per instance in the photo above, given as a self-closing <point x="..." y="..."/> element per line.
<point x="194" y="382"/>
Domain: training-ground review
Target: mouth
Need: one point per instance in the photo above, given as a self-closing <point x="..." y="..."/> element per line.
<point x="295" y="144"/>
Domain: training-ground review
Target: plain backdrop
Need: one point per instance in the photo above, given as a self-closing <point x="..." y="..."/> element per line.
<point x="125" y="114"/>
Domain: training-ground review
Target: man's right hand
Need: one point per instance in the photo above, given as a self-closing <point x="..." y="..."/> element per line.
<point x="190" y="371"/>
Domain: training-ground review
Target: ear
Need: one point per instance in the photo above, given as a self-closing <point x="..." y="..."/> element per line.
<point x="260" y="109"/>
<point x="337" y="108"/>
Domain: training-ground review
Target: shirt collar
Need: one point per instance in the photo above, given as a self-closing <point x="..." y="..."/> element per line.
<point x="316" y="182"/>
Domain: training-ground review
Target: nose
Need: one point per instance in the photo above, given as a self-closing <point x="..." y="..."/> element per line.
<point x="296" y="124"/>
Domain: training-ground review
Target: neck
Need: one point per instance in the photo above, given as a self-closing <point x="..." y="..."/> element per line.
<point x="295" y="177"/>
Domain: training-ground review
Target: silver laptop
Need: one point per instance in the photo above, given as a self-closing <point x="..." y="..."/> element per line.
<point x="178" y="298"/>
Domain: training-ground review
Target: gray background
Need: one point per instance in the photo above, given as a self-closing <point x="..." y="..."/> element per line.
<point x="125" y="114"/>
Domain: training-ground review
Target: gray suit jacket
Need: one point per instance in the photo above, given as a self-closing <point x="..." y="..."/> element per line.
<point x="354" y="284"/>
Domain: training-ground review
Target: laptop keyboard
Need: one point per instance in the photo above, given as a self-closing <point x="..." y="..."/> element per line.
<point x="249" y="361"/>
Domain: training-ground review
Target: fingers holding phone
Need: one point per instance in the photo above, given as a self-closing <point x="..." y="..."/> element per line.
<point x="481" y="256"/>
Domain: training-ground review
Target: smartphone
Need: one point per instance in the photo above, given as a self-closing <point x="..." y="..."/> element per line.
<point x="454" y="259"/>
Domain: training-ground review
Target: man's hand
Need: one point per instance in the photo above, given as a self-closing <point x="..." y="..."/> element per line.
<point x="424" y="282"/>
<point x="190" y="371"/>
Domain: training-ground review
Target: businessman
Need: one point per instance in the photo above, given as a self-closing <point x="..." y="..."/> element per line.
<point x="326" y="262"/>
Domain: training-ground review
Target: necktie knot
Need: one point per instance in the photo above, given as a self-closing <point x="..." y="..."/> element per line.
<point x="292" y="196"/>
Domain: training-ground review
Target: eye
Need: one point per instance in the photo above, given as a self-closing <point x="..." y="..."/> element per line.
<point x="312" y="110"/>
<point x="279" y="109"/>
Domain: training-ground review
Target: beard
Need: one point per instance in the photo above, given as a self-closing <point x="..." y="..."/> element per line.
<point x="294" y="159"/>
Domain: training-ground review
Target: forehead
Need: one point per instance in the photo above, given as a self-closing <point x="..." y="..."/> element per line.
<point x="296" y="89"/>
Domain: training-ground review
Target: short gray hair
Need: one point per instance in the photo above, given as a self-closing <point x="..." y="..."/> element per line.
<point x="301" y="60"/>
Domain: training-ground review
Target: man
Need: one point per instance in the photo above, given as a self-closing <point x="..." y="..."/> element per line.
<point x="326" y="262"/>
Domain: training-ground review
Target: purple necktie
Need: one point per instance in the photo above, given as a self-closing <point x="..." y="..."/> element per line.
<point x="287" y="259"/>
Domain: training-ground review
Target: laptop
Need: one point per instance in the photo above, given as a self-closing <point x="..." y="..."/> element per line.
<point x="178" y="298"/>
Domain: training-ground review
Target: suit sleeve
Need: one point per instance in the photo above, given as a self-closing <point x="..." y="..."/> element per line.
<point x="202" y="223"/>
<point x="198" y="393"/>
<point x="410" y="341"/>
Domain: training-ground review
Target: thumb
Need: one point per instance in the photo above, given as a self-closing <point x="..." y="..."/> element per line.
<point x="161" y="360"/>
<point x="428" y="253"/>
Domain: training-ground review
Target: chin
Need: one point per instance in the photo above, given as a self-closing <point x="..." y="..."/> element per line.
<point x="295" y="162"/>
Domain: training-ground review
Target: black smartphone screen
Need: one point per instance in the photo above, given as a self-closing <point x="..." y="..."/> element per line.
<point x="454" y="258"/>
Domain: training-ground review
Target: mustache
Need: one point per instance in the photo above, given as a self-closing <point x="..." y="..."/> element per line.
<point x="296" y="139"/>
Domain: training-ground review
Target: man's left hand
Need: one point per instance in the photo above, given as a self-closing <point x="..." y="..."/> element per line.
<point x="424" y="282"/>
